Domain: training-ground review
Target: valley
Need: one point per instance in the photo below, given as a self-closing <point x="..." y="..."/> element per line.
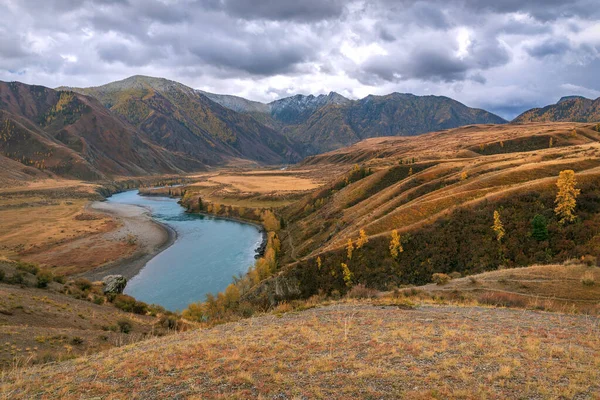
<point x="386" y="232"/>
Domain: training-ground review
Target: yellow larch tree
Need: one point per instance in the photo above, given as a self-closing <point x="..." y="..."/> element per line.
<point x="362" y="239"/>
<point x="395" y="244"/>
<point x="566" y="198"/>
<point x="350" y="248"/>
<point x="498" y="227"/>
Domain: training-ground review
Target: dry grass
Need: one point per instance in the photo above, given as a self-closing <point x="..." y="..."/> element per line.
<point x="266" y="183"/>
<point x="351" y="350"/>
<point x="559" y="288"/>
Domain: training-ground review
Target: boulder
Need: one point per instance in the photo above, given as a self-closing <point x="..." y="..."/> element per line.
<point x="114" y="284"/>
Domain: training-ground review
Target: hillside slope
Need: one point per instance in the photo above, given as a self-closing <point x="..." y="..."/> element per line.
<point x="184" y="120"/>
<point x="72" y="135"/>
<point x="570" y="108"/>
<point x="439" y="192"/>
<point x="351" y="350"/>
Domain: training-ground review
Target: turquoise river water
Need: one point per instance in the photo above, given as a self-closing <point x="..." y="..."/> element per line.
<point x="207" y="253"/>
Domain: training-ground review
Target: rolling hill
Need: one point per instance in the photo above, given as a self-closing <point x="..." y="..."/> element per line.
<point x="439" y="191"/>
<point x="569" y="108"/>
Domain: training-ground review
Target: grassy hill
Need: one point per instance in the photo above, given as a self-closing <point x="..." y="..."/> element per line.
<point x="441" y="204"/>
<point x="392" y="346"/>
<point x="46" y="318"/>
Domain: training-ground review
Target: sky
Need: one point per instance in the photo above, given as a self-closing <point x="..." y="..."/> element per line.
<point x="505" y="56"/>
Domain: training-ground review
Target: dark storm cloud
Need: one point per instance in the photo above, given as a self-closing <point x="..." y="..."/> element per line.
<point x="548" y="48"/>
<point x="259" y="57"/>
<point x="281" y="10"/>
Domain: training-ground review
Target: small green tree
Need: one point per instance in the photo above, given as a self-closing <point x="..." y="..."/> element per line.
<point x="539" y="228"/>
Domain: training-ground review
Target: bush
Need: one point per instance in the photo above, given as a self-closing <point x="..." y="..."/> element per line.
<point x="27" y="267"/>
<point x="76" y="341"/>
<point x="60" y="279"/>
<point x="455" y="275"/>
<point x="440" y="279"/>
<point x="129" y="304"/>
<point x="588" y="279"/>
<point x="360" y="291"/>
<point x="83" y="284"/>
<point x="44" y="278"/>
<point x="589" y="260"/>
<point x="98" y="300"/>
<point x="124" y="325"/>
<point x="2" y="275"/>
<point x="499" y="299"/>
<point x="18" y="278"/>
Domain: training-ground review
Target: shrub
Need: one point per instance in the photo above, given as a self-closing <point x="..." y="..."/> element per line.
<point x="44" y="278"/>
<point x="360" y="291"/>
<point x="98" y="300"/>
<point x="60" y="279"/>
<point x="499" y="299"/>
<point x="124" y="325"/>
<point x="129" y="304"/>
<point x="27" y="267"/>
<point x="588" y="279"/>
<point x="589" y="260"/>
<point x="83" y="284"/>
<point x="17" y="278"/>
<point x="2" y="275"/>
<point x="76" y="340"/>
<point x="440" y="279"/>
<point x="455" y="275"/>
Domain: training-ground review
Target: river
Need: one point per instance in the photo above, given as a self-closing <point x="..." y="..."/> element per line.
<point x="207" y="253"/>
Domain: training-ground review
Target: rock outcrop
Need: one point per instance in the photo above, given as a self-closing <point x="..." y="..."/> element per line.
<point x="114" y="284"/>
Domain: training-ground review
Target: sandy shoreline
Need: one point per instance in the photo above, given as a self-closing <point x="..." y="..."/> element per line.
<point x="152" y="238"/>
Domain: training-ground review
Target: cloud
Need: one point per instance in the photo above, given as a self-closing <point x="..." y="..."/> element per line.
<point x="517" y="53"/>
<point x="284" y="10"/>
<point x="551" y="47"/>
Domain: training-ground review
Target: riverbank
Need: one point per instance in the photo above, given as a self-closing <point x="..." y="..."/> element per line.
<point x="151" y="238"/>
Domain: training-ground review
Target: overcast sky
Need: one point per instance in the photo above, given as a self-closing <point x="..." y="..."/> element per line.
<point x="505" y="55"/>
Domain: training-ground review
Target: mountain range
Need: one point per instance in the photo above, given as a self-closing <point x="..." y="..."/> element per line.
<point x="143" y="125"/>
<point x="328" y="122"/>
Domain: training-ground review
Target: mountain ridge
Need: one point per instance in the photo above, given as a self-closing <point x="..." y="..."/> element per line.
<point x="567" y="109"/>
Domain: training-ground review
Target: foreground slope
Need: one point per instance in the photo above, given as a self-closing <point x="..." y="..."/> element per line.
<point x="346" y="350"/>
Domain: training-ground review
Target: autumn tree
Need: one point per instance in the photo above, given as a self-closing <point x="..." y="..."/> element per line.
<point x="464" y="176"/>
<point x="347" y="275"/>
<point x="498" y="227"/>
<point x="350" y="248"/>
<point x="362" y="239"/>
<point x="395" y="244"/>
<point x="319" y="263"/>
<point x="566" y="198"/>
